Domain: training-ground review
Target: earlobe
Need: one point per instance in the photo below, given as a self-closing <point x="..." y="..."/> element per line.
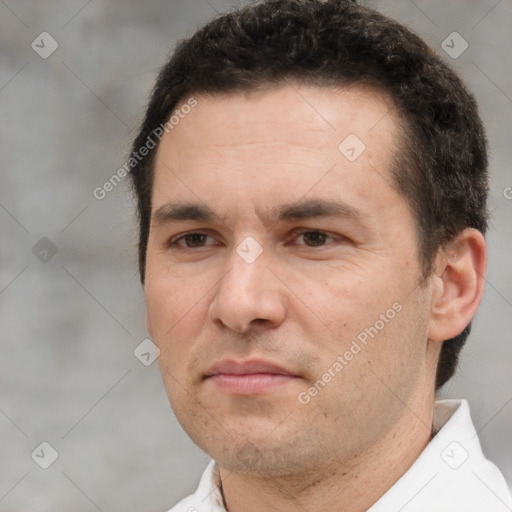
<point x="458" y="285"/>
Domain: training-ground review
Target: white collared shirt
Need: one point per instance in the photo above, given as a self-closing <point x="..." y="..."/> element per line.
<point x="450" y="475"/>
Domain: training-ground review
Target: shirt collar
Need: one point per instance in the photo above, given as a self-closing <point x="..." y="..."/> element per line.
<point x="451" y="473"/>
<point x="436" y="480"/>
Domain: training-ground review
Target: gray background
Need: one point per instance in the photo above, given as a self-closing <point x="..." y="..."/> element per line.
<point x="69" y="326"/>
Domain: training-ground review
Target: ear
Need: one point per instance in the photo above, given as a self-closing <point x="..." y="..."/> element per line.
<point x="458" y="284"/>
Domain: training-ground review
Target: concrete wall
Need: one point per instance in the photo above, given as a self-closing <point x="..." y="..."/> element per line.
<point x="71" y="307"/>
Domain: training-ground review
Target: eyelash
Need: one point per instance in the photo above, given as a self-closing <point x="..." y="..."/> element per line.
<point x="174" y="242"/>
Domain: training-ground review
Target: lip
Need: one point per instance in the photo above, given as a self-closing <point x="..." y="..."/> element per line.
<point x="255" y="376"/>
<point x="251" y="366"/>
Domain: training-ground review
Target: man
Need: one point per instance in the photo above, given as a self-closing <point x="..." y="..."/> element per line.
<point x="312" y="215"/>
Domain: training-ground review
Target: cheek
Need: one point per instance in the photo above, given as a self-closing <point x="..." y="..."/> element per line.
<point x="364" y="311"/>
<point x="174" y="307"/>
<point x="345" y="300"/>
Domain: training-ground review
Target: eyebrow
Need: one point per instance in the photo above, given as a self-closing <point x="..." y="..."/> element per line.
<point x="301" y="210"/>
<point x="182" y="212"/>
<point x="316" y="208"/>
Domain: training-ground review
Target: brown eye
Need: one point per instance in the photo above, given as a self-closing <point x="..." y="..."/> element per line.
<point x="315" y="238"/>
<point x="193" y="240"/>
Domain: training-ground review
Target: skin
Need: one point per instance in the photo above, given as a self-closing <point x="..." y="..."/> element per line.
<point x="304" y="300"/>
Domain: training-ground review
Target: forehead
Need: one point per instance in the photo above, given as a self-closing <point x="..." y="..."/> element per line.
<point x="294" y="112"/>
<point x="280" y="141"/>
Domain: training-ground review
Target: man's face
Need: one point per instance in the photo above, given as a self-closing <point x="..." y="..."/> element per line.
<point x="274" y="253"/>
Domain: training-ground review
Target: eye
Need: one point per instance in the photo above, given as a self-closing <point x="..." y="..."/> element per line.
<point x="315" y="238"/>
<point x="192" y="240"/>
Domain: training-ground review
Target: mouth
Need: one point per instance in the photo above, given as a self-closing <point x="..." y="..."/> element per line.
<point x="250" y="377"/>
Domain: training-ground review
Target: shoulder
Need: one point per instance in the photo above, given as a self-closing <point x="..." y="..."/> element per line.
<point x="208" y="496"/>
<point x="451" y="473"/>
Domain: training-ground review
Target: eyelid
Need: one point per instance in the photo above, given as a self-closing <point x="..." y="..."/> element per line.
<point x="300" y="231"/>
<point x="173" y="241"/>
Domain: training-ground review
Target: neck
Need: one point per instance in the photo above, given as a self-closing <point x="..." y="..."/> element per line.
<point x="340" y="486"/>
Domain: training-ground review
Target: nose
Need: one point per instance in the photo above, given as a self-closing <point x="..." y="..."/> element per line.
<point x="249" y="294"/>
